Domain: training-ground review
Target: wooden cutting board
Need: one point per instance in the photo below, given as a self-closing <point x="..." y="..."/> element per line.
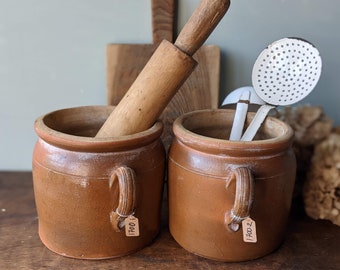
<point x="125" y="61"/>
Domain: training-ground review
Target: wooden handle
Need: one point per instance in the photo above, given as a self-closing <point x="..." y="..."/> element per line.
<point x="200" y="25"/>
<point x="163" y="20"/>
<point x="149" y="94"/>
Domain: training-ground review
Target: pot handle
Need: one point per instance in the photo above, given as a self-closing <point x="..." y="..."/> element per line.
<point x="127" y="195"/>
<point x="243" y="198"/>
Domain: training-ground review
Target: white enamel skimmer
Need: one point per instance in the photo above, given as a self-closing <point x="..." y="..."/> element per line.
<point x="283" y="74"/>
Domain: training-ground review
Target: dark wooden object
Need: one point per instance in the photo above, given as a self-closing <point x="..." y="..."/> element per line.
<point x="309" y="244"/>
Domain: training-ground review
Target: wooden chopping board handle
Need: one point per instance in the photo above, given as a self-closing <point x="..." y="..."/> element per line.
<point x="200" y="25"/>
<point x="163" y="20"/>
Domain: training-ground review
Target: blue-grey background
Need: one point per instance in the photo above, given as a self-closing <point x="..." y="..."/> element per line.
<point x="52" y="54"/>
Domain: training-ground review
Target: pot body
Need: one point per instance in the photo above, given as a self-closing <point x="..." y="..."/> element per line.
<point x="215" y="185"/>
<point x="85" y="187"/>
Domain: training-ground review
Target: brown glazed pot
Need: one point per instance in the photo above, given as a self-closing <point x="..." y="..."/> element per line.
<point x="215" y="184"/>
<point x="86" y="187"/>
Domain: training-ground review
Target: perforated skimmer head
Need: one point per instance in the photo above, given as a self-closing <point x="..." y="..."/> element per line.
<point x="286" y="71"/>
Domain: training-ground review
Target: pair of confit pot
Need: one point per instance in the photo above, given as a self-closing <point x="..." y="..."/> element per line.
<point x="86" y="188"/>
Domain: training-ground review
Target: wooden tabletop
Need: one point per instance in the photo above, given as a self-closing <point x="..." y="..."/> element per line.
<point x="309" y="244"/>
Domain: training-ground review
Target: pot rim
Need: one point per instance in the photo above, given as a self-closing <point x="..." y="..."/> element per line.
<point x="222" y="146"/>
<point x="92" y="144"/>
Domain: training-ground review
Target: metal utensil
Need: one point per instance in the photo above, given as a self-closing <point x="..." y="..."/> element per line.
<point x="283" y="74"/>
<point x="242" y="96"/>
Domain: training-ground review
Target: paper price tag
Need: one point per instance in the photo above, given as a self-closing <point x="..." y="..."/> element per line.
<point x="131" y="226"/>
<point x="249" y="230"/>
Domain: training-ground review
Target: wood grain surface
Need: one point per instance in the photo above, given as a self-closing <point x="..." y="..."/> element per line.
<point x="163" y="20"/>
<point x="200" y="90"/>
<point x="124" y="62"/>
<point x="309" y="244"/>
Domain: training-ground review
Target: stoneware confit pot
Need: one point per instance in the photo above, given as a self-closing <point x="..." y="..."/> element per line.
<point x="96" y="198"/>
<point x="229" y="200"/>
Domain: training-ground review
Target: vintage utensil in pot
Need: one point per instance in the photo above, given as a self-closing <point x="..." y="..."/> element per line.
<point x="125" y="61"/>
<point x="283" y="74"/>
<point x="165" y="72"/>
<point x="242" y="96"/>
<point x="240" y="113"/>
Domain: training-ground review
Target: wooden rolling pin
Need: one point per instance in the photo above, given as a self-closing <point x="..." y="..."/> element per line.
<point x="165" y="72"/>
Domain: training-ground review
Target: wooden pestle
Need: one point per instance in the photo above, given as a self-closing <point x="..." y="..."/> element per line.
<point x="165" y="72"/>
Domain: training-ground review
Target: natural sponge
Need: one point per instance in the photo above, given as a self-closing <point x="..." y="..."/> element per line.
<point x="321" y="191"/>
<point x="311" y="125"/>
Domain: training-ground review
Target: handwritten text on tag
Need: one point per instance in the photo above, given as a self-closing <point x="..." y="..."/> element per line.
<point x="249" y="230"/>
<point x="131" y="226"/>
